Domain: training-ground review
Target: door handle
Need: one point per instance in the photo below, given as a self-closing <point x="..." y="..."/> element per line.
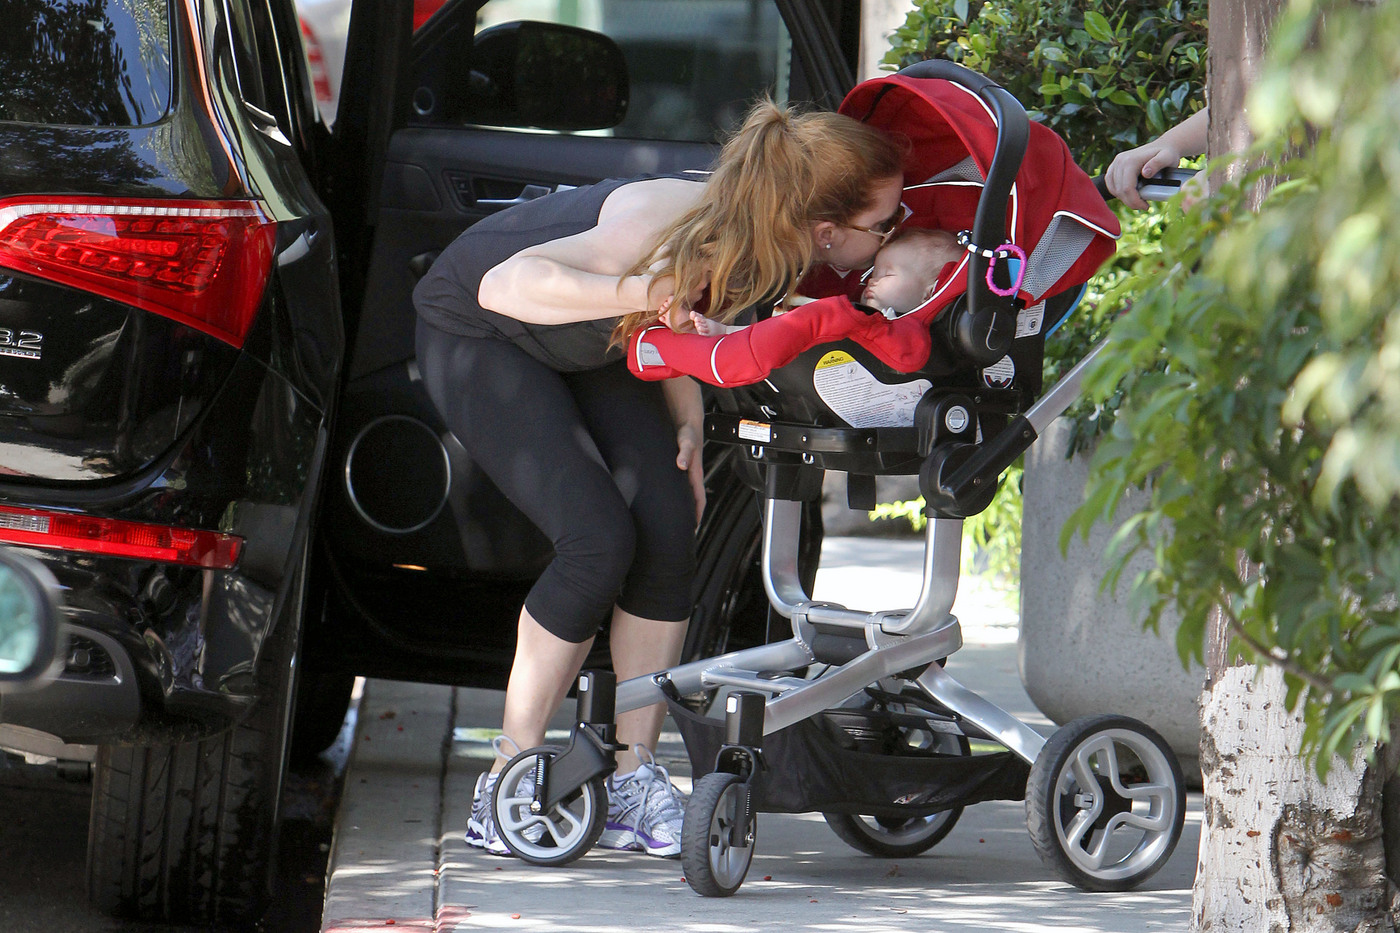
<point x="420" y="264"/>
<point x="528" y="193"/>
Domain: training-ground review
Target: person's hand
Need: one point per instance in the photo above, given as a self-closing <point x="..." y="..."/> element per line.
<point x="1143" y="162"/>
<point x="688" y="439"/>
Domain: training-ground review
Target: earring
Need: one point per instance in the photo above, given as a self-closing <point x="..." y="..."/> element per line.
<point x="828" y="246"/>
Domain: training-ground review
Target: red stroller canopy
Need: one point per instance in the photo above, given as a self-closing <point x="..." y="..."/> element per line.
<point x="1054" y="213"/>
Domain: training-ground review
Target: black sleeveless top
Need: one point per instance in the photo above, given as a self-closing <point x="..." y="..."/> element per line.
<point x="447" y="296"/>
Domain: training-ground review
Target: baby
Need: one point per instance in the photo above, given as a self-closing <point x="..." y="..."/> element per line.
<point x="904" y="276"/>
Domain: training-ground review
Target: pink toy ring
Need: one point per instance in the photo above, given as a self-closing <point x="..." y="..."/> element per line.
<point x="1008" y="249"/>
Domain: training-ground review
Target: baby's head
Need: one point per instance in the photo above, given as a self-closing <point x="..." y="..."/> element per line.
<point x="906" y="269"/>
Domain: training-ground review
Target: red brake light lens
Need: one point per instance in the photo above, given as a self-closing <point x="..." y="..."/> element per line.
<point x="70" y="532"/>
<point x="203" y="263"/>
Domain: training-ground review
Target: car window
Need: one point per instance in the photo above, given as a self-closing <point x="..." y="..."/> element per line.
<point x="85" y="62"/>
<point x="693" y="66"/>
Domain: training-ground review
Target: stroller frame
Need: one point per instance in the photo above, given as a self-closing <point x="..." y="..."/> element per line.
<point x="897" y="640"/>
<point x="1091" y="779"/>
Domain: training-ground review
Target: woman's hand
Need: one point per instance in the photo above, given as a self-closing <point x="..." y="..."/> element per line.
<point x="691" y="459"/>
<point x="688" y="412"/>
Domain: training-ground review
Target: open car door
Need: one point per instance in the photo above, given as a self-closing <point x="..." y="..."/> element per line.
<point x="423" y="563"/>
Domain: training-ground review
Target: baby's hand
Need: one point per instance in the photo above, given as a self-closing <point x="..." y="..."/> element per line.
<point x="706" y="327"/>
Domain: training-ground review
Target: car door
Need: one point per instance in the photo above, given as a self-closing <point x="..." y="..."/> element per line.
<point x="418" y="547"/>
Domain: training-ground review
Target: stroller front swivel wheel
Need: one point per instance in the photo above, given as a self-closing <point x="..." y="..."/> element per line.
<point x="715" y="861"/>
<point x="557" y="836"/>
<point x="1105" y="802"/>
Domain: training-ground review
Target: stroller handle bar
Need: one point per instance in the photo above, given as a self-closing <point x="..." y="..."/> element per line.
<point x="986" y="324"/>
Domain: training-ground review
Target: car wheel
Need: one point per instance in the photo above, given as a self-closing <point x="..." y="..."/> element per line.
<point x="187" y="833"/>
<point x="323" y="699"/>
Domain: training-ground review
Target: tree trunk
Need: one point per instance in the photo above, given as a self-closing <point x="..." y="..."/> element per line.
<point x="1281" y="852"/>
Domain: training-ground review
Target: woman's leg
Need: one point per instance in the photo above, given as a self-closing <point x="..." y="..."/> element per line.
<point x="640" y="647"/>
<point x="544" y="669"/>
<point x="518" y="420"/>
<point x="632" y="427"/>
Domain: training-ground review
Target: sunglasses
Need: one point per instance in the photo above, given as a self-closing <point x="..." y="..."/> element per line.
<point x="887" y="227"/>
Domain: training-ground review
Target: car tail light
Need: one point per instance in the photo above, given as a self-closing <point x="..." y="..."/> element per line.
<point x="203" y="263"/>
<point x="72" y="532"/>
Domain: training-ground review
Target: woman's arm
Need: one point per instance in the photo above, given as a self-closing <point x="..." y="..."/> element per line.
<point x="688" y="412"/>
<point x="580" y="277"/>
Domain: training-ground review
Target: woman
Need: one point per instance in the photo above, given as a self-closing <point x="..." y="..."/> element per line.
<point x="522" y="321"/>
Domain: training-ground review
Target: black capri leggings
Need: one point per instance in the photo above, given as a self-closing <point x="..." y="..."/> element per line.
<point x="590" y="458"/>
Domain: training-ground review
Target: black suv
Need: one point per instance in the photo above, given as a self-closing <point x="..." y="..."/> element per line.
<point x="211" y="427"/>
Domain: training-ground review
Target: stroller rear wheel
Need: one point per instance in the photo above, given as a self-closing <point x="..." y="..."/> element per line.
<point x="903" y="836"/>
<point x="1105" y="802"/>
<point x="893" y="837"/>
<point x="715" y="861"/>
<point x="563" y="833"/>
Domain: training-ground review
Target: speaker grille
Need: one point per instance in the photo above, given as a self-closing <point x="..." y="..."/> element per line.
<point x="397" y="474"/>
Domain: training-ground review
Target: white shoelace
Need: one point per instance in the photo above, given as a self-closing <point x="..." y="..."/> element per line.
<point x="659" y="775"/>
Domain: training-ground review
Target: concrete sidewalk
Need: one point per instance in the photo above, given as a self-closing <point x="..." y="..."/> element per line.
<point x="399" y="859"/>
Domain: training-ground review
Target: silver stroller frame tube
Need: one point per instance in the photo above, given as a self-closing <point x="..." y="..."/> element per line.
<point x="897" y="640"/>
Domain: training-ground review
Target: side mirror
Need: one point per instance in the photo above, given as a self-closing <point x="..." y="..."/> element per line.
<point x="29" y="619"/>
<point x="546" y="76"/>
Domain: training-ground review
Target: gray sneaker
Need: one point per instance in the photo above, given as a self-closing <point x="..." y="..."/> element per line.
<point x="645" y="811"/>
<point x="481" y="824"/>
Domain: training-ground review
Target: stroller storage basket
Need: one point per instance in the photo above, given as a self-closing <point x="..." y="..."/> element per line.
<point x="853" y="761"/>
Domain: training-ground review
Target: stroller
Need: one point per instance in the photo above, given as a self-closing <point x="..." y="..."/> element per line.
<point x="853" y="716"/>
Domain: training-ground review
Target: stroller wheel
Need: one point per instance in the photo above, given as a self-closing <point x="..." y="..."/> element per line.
<point x="903" y="836"/>
<point x="893" y="837"/>
<point x="1105" y="802"/>
<point x="715" y="862"/>
<point x="557" y="837"/>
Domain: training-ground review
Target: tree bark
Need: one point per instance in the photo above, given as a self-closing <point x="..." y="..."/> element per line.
<point x="1281" y="852"/>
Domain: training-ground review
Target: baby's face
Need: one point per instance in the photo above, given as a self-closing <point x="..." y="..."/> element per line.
<point x="894" y="281"/>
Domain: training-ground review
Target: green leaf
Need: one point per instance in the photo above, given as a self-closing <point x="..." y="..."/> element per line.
<point x="1155" y="120"/>
<point x="960" y="10"/>
<point x="1097" y="26"/>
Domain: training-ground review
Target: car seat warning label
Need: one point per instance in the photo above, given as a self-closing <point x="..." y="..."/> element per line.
<point x="1029" y="321"/>
<point x="755" y="431"/>
<point x="862" y="401"/>
<point x="1000" y="373"/>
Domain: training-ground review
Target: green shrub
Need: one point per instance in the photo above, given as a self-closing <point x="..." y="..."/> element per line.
<point x="1105" y="76"/>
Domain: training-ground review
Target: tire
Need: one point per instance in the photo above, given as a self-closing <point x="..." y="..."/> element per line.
<point x="731" y="608"/>
<point x="323" y="699"/>
<point x="896" y="837"/>
<point x="1121" y="832"/>
<point x="188" y="833"/>
<point x="558" y="837"/>
<point x="714" y="866"/>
